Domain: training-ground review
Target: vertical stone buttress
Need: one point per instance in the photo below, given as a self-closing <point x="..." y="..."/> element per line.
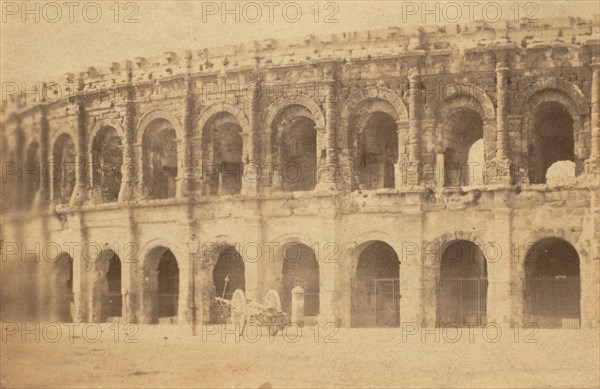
<point x="589" y="295"/>
<point x="185" y="174"/>
<point x="252" y="167"/>
<point x="44" y="191"/>
<point x="594" y="159"/>
<point x="329" y="173"/>
<point x="129" y="168"/>
<point x="502" y="174"/>
<point x="79" y="195"/>
<point x="411" y="170"/>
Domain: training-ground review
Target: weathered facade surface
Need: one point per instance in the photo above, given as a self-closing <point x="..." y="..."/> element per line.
<point x="343" y="148"/>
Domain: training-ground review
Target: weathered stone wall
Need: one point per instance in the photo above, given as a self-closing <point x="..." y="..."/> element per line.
<point x="418" y="79"/>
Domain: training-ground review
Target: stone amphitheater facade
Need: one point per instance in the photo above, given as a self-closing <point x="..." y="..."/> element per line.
<point x="313" y="159"/>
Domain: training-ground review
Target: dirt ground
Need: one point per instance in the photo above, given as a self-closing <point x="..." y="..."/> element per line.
<point x="117" y="356"/>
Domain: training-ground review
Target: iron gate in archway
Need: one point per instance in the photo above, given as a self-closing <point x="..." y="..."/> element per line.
<point x="375" y="303"/>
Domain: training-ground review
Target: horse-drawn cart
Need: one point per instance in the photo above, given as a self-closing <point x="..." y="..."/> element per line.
<point x="243" y="311"/>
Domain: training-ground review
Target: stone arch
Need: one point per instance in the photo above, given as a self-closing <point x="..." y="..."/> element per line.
<point x="351" y="250"/>
<point x="221" y="257"/>
<point x="525" y="98"/>
<point x="357" y="110"/>
<point x="215" y="109"/>
<point x="161" y="154"/>
<point x="149" y="117"/>
<point x="281" y="104"/>
<point x="362" y="95"/>
<point x="462" y="284"/>
<point x="300" y="267"/>
<point x="162" y="284"/>
<point x="62" y="303"/>
<point x="375" y="286"/>
<point x="100" y="125"/>
<point x="106" y="150"/>
<point x="63" y="130"/>
<point x="552" y="288"/>
<point x="107" y="284"/>
<point x="222" y="150"/>
<point x="473" y="97"/>
<point x="63" y="170"/>
<point x="566" y="97"/>
<point x="461" y="120"/>
<point x="296" y="134"/>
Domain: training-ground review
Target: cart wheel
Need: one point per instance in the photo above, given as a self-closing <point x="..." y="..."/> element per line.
<point x="238" y="310"/>
<point x="272" y="301"/>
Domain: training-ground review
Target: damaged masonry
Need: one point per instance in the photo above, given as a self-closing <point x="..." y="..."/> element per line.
<point x="389" y="200"/>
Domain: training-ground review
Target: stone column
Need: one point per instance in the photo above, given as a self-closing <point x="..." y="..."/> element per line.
<point x="129" y="168"/>
<point x="502" y="156"/>
<point x="141" y="184"/>
<point x="411" y="276"/>
<point x="329" y="173"/>
<point x="43" y="192"/>
<point x="184" y="148"/>
<point x="594" y="160"/>
<point x="79" y="195"/>
<point x="410" y="170"/>
<point x="503" y="297"/>
<point x="252" y="166"/>
<point x="501" y="112"/>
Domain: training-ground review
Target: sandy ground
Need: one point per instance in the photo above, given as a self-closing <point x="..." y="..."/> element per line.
<point x="168" y="356"/>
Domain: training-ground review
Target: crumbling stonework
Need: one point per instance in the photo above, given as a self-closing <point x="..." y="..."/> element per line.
<point x="334" y="142"/>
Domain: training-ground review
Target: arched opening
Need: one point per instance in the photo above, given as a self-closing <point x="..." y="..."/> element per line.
<point x="461" y="130"/>
<point x="552" y="284"/>
<point x="462" y="285"/>
<point x="476" y="164"/>
<point x="378" y="151"/>
<point x="294" y="143"/>
<point x="299" y="154"/>
<point x="159" y="147"/>
<point x="223" y="149"/>
<point x="107" y="298"/>
<point x="32" y="174"/>
<point x="375" y="292"/>
<point x="228" y="275"/>
<point x="300" y="268"/>
<point x="64" y="168"/>
<point x="161" y="287"/>
<point x="107" y="158"/>
<point x="561" y="172"/>
<point x="552" y="140"/>
<point x="63" y="288"/>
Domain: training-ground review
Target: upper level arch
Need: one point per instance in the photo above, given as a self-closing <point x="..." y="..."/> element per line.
<point x="367" y="100"/>
<point x="551" y="89"/>
<point x="150" y="116"/>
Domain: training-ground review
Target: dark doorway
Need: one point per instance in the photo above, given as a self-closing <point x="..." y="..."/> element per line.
<point x="552" y="288"/>
<point x="375" y="292"/>
<point x="462" y="286"/>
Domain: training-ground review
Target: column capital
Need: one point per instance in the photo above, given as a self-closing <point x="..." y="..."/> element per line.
<point x="501" y="67"/>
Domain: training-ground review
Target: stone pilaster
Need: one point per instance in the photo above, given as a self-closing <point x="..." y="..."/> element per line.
<point x="42" y="196"/>
<point x="252" y="171"/>
<point x="499" y="172"/>
<point x="129" y="168"/>
<point x="502" y="273"/>
<point x="329" y="173"/>
<point x="410" y="171"/>
<point x="79" y="195"/>
<point x="185" y="173"/>
<point x="593" y="163"/>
